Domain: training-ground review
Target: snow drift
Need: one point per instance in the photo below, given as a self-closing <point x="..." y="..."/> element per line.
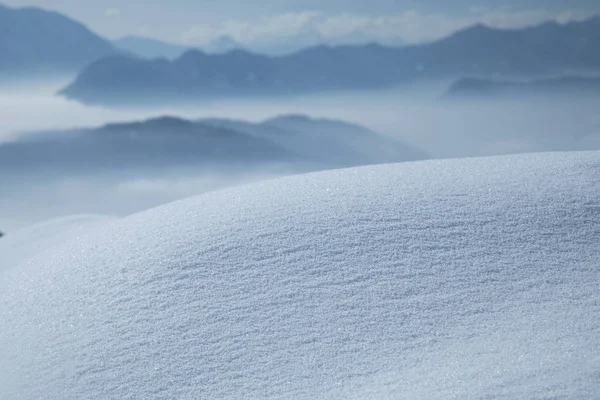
<point x="17" y="247"/>
<point x="472" y="278"/>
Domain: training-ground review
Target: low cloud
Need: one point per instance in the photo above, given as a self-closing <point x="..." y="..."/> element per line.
<point x="405" y="27"/>
<point x="112" y="12"/>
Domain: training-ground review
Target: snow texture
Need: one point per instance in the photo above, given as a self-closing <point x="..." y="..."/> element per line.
<point x="19" y="246"/>
<point x="473" y="278"/>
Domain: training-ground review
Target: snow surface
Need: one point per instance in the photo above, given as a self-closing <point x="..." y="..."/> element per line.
<point x="473" y="278"/>
<point x="25" y="243"/>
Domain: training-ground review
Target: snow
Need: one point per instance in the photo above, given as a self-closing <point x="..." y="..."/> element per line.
<point x="24" y="243"/>
<point x="472" y="278"/>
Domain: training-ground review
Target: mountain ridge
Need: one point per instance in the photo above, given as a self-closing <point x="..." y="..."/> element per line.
<point x="171" y="141"/>
<point x="37" y="42"/>
<point x="479" y="50"/>
<point x="149" y="48"/>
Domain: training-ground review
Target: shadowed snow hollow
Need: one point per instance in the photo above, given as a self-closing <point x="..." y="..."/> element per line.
<point x="473" y="278"/>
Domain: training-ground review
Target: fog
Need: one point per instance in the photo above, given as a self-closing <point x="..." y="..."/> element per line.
<point x="415" y="115"/>
<point x="38" y="199"/>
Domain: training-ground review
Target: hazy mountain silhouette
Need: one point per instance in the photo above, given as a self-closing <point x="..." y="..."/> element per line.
<point x="160" y="142"/>
<point x="222" y="44"/>
<point x="150" y="48"/>
<point x="549" y="48"/>
<point x="480" y="87"/>
<point x="170" y="142"/>
<point x="327" y="141"/>
<point x="35" y="42"/>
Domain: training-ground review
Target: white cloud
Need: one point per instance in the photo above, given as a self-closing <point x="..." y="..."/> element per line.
<point x="527" y="18"/>
<point x="250" y="31"/>
<point x="112" y="12"/>
<point x="409" y="26"/>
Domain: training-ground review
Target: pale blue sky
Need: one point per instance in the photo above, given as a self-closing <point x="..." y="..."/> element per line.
<point x="200" y="21"/>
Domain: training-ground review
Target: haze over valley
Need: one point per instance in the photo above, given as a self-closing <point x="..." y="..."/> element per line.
<point x="420" y="116"/>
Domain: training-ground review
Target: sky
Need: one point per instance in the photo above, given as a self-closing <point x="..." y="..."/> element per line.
<point x="261" y="22"/>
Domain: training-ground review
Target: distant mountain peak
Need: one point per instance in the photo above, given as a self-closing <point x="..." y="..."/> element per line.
<point x="167" y="120"/>
<point x="173" y="141"/>
<point x="374" y="45"/>
<point x="163" y="122"/>
<point x="35" y="42"/>
<point x="479" y="50"/>
<point x="476" y="30"/>
<point x="480" y="26"/>
<point x="241" y="52"/>
<point x="222" y="44"/>
<point x="292" y="117"/>
<point x="149" y="47"/>
<point x="193" y="54"/>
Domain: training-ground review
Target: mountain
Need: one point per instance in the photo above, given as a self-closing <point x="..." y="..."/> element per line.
<point x="549" y="48"/>
<point x="152" y="48"/>
<point x="168" y="142"/>
<point x="127" y="167"/>
<point x="327" y="141"/>
<point x="155" y="143"/>
<point x="149" y="48"/>
<point x="35" y="42"/>
<point x="448" y="279"/>
<point x="122" y="80"/>
<point x="479" y="87"/>
<point x="546" y="49"/>
<point x="282" y="46"/>
<point x="222" y="44"/>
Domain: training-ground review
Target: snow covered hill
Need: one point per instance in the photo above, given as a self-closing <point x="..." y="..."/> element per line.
<point x="26" y="243"/>
<point x="472" y="278"/>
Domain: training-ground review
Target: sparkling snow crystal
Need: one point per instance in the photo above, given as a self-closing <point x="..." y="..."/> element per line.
<point x="474" y="278"/>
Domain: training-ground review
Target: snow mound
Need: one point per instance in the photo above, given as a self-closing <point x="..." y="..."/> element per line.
<point x="26" y="242"/>
<point x="474" y="278"/>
